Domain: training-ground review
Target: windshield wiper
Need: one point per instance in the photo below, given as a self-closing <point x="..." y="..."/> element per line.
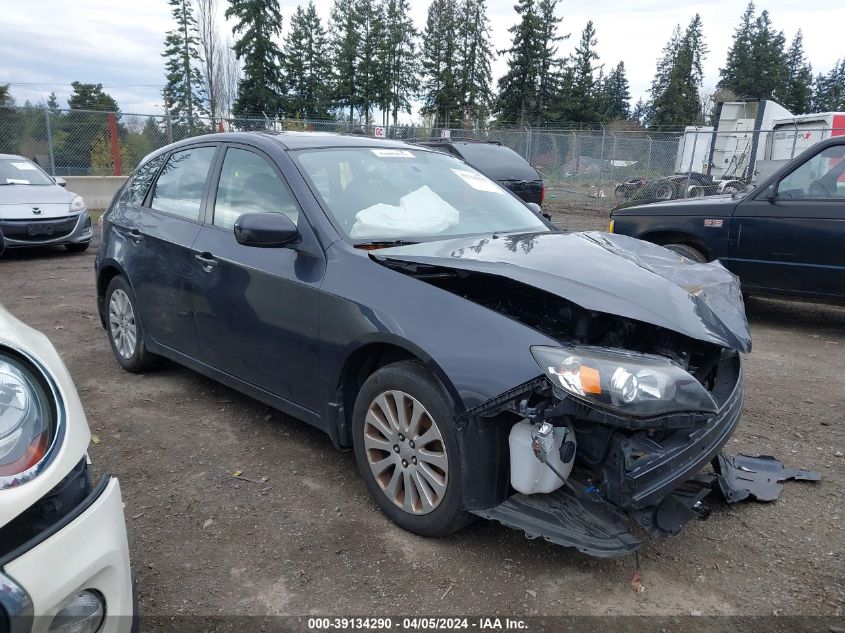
<point x="384" y="244"/>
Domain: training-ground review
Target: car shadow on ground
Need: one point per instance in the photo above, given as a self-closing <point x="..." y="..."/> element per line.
<point x="41" y="252"/>
<point x="794" y="315"/>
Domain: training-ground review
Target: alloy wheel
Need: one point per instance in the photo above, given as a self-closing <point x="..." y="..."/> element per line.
<point x="124" y="330"/>
<point x="406" y="452"/>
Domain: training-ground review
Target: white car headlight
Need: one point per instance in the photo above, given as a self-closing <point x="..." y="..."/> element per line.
<point x="77" y="204"/>
<point x="27" y="421"/>
<point x="641" y="385"/>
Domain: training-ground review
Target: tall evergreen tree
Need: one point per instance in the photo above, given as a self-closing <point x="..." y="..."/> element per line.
<point x="640" y="111"/>
<point x="441" y="84"/>
<point x="346" y="38"/>
<point x="53" y="104"/>
<point x="517" y="98"/>
<point x="675" y="99"/>
<point x="549" y="65"/>
<point x="258" y="24"/>
<point x="756" y="66"/>
<point x="798" y="95"/>
<point x="580" y="93"/>
<point x="829" y="93"/>
<point x="616" y="94"/>
<point x="368" y="67"/>
<point x="398" y="60"/>
<point x="307" y="66"/>
<point x="86" y="120"/>
<point x="183" y="93"/>
<point x="737" y="75"/>
<point x="476" y="60"/>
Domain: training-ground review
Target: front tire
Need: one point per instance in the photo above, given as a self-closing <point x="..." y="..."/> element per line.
<point x="407" y="449"/>
<point x="126" y="333"/>
<point x="691" y="253"/>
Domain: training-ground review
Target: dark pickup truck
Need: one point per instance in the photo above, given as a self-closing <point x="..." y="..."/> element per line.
<point x="785" y="238"/>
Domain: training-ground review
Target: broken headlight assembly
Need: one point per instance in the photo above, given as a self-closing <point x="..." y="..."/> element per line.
<point x="27" y="421"/>
<point x="630" y="383"/>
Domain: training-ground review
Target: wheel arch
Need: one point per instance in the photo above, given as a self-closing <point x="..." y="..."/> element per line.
<point x="365" y="357"/>
<point x="663" y="237"/>
<point x="106" y="271"/>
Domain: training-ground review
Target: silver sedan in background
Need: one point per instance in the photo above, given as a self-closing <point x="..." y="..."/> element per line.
<point x="36" y="210"/>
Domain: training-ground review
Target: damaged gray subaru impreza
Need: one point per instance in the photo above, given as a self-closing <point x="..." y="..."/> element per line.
<point x="479" y="361"/>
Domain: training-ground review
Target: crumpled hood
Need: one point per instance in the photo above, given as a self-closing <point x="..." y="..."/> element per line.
<point x="614" y="274"/>
<point x="17" y="202"/>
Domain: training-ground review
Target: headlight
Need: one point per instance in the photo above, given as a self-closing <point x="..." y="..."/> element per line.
<point x="27" y="422"/>
<point x="640" y="385"/>
<point x="77" y="204"/>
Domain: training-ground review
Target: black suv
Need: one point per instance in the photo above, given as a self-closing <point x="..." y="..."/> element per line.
<point x="498" y="163"/>
<point x="785" y="238"/>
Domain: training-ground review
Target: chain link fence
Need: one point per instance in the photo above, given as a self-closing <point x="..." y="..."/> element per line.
<point x="598" y="167"/>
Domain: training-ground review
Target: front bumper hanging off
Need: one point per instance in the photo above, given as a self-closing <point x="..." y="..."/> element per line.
<point x="657" y="486"/>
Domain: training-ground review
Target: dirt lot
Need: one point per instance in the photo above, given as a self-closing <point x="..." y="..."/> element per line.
<point x="303" y="536"/>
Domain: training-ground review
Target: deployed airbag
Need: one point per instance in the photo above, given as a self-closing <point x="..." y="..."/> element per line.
<point x="421" y="212"/>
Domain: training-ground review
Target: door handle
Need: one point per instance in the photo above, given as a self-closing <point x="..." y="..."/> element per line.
<point x="136" y="236"/>
<point x="207" y="260"/>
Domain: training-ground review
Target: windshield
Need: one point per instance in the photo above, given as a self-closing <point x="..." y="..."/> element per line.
<point x="20" y="171"/>
<point x="385" y="194"/>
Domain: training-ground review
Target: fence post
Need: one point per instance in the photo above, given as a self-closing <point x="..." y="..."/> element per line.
<point x="168" y="126"/>
<point x="527" y="129"/>
<point x="50" y="140"/>
<point x="691" y="160"/>
<point x="601" y="162"/>
<point x="794" y="137"/>
<point x="648" y="159"/>
<point x="114" y="142"/>
<point x="575" y="153"/>
<point x="613" y="160"/>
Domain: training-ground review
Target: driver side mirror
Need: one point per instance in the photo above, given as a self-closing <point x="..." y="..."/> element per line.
<point x="265" y="230"/>
<point x="770" y="193"/>
<point x="60" y="181"/>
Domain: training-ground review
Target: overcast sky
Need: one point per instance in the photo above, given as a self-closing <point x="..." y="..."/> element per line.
<point x="46" y="44"/>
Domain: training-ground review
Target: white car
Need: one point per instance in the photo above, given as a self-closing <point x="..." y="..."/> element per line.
<point x="36" y="210"/>
<point x="64" y="558"/>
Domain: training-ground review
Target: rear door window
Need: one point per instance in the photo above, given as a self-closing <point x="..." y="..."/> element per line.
<point x="250" y="184"/>
<point x="179" y="188"/>
<point x="142" y="180"/>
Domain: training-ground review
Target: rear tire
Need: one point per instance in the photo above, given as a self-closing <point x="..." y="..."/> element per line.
<point x="407" y="449"/>
<point x="125" y="330"/>
<point x="690" y="252"/>
<point x="78" y="248"/>
<point x="663" y="191"/>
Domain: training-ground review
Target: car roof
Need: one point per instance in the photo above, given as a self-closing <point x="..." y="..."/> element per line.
<point x="296" y="140"/>
<point x="13" y="156"/>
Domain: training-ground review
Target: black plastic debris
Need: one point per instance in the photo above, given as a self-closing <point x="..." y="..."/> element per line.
<point x="761" y="477"/>
<point x="585" y="522"/>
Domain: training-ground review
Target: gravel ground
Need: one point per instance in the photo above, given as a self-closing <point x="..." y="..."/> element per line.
<point x="298" y="533"/>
